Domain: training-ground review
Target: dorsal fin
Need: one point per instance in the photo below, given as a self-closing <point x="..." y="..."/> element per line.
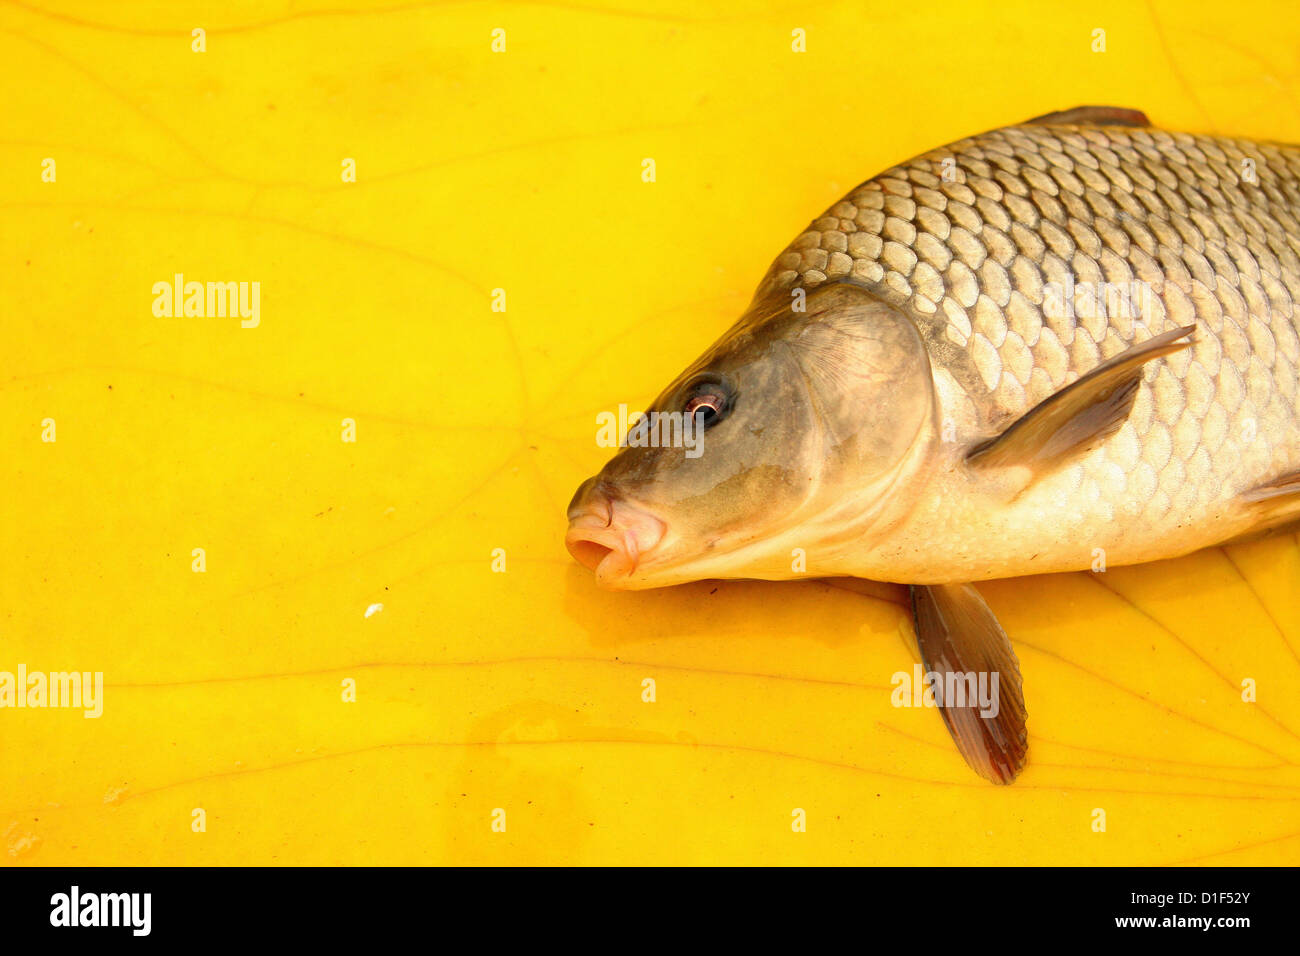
<point x="1092" y="115"/>
<point x="1079" y="416"/>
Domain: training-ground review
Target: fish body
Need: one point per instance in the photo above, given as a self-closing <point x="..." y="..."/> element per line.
<point x="1060" y="343"/>
<point x="983" y="264"/>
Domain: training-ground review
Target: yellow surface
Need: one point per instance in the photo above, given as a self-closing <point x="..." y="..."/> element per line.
<point x="522" y="690"/>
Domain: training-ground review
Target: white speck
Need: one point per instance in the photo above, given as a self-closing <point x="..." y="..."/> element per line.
<point x="374" y="609"/>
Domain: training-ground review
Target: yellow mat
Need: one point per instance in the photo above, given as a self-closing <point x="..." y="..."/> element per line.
<point x="499" y="713"/>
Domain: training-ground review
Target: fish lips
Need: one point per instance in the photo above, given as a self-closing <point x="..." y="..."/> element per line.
<point x="611" y="538"/>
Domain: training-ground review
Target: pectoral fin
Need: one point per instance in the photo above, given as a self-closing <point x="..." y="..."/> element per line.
<point x="1079" y="416"/>
<point x="960" y="640"/>
<point x="1095" y="115"/>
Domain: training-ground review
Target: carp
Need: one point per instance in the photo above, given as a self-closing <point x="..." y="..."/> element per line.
<point x="1072" y="334"/>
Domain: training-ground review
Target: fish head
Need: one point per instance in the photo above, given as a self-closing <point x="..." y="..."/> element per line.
<point x="799" y="428"/>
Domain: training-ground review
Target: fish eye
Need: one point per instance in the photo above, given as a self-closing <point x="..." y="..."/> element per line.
<point x="709" y="402"/>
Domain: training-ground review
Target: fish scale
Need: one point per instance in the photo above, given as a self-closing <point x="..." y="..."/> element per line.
<point x="969" y="257"/>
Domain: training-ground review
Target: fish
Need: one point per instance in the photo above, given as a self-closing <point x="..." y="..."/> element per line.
<point x="1068" y="339"/>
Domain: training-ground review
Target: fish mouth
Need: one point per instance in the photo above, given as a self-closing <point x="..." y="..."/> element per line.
<point x="610" y="536"/>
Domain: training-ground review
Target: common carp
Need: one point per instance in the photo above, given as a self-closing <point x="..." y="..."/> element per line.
<point x="1072" y="336"/>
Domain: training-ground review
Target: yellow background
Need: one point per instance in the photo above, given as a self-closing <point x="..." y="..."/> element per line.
<point x="522" y="690"/>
